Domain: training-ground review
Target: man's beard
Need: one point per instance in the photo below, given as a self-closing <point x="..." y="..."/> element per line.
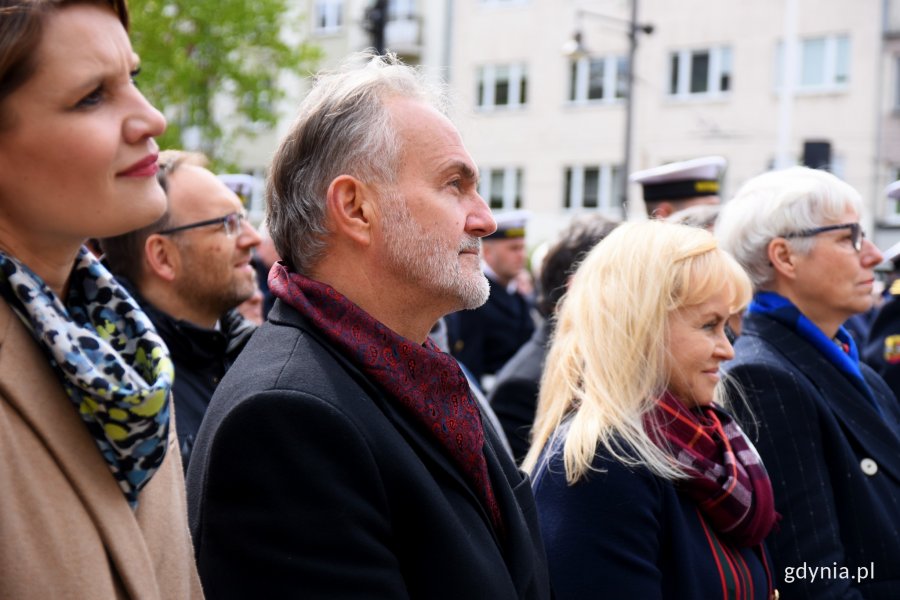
<point x="426" y="261"/>
<point x="217" y="290"/>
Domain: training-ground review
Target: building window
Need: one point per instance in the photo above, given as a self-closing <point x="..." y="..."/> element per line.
<point x="502" y="86"/>
<point x="897" y="83"/>
<point x="329" y="16"/>
<point x="502" y="188"/>
<point x="892" y="207"/>
<point x="823" y="64"/>
<point x="704" y="72"/>
<point x="598" y="79"/>
<point x="401" y="10"/>
<point x="596" y="187"/>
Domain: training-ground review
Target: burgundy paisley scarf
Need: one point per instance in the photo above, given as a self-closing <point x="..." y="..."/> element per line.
<point x="427" y="382"/>
<point x="727" y="479"/>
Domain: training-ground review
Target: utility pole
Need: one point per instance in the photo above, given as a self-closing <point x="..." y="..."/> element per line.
<point x="375" y="20"/>
<point x="576" y="49"/>
<point x="629" y="103"/>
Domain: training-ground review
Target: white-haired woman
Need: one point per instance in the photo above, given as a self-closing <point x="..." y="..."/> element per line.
<point x="645" y="486"/>
<point x="829" y="426"/>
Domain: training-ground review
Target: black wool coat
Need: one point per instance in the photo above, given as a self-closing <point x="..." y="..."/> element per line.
<point x="308" y="482"/>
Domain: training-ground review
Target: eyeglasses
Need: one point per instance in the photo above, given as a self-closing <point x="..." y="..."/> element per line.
<point x="857" y="235"/>
<point x="233" y="223"/>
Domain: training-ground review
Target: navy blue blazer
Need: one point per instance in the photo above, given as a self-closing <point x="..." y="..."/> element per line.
<point x="626" y="533"/>
<point x="834" y="463"/>
<point x="306" y="481"/>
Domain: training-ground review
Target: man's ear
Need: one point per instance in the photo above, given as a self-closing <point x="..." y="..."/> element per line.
<point x="350" y="208"/>
<point x="782" y="258"/>
<point x="162" y="257"/>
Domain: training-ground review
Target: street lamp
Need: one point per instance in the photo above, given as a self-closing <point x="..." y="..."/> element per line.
<point x="575" y="48"/>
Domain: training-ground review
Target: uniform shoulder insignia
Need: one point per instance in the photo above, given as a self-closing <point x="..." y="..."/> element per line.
<point x="892" y="349"/>
<point x="895" y="288"/>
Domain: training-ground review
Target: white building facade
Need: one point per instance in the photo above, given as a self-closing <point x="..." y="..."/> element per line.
<point x="548" y="130"/>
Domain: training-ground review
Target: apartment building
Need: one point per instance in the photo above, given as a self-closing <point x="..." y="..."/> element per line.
<point x="548" y="128"/>
<point x="547" y="125"/>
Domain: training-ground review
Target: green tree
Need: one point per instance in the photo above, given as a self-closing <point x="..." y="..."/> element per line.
<point x="213" y="66"/>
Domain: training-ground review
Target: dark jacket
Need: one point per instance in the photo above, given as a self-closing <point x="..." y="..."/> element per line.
<point x="882" y="346"/>
<point x="485" y="338"/>
<point x="834" y="463"/>
<point x="308" y="482"/>
<point x="626" y="533"/>
<point x="201" y="357"/>
<point x="515" y="392"/>
<point x="262" y="280"/>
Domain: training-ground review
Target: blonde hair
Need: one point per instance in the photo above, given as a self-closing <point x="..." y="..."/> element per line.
<point x="607" y="364"/>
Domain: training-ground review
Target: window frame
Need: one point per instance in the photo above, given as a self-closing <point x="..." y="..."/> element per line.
<point x="512" y="186"/>
<point x="613" y="90"/>
<point x="891" y="213"/>
<point x="719" y="76"/>
<point x="333" y="11"/>
<point x="897" y="83"/>
<point x="837" y="51"/>
<point x="608" y="186"/>
<point x="401" y="10"/>
<point x="516" y="78"/>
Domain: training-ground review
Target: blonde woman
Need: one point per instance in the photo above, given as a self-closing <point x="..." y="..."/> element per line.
<point x="645" y="486"/>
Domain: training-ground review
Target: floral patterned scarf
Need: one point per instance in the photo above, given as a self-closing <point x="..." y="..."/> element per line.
<point x="114" y="367"/>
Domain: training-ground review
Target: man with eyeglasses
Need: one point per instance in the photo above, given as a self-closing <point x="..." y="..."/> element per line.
<point x="828" y="425"/>
<point x="189" y="271"/>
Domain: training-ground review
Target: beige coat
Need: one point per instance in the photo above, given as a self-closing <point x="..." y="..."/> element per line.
<point x="66" y="530"/>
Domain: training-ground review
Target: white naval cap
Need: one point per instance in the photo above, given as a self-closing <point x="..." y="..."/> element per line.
<point x="510" y="225"/>
<point x="892" y="191"/>
<point x="685" y="179"/>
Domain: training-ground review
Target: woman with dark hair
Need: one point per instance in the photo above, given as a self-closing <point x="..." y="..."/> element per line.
<point x="90" y="478"/>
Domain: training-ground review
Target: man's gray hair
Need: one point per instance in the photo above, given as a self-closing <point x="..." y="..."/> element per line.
<point x="774" y="204"/>
<point x="342" y="128"/>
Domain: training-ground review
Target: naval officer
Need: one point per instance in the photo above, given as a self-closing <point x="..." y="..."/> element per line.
<point x="679" y="185"/>
<point x="485" y="338"/>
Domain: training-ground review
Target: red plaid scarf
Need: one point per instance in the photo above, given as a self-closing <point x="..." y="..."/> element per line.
<point x="726" y="476"/>
<point x="427" y="382"/>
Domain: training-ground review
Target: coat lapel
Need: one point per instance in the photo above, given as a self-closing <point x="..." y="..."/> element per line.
<point x="32" y="389"/>
<point x="425" y="445"/>
<point x="860" y="419"/>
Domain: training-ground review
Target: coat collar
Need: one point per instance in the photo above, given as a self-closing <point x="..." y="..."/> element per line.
<point x="32" y="388"/>
<point x="417" y="436"/>
<point x="190" y="344"/>
<point x="879" y="437"/>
